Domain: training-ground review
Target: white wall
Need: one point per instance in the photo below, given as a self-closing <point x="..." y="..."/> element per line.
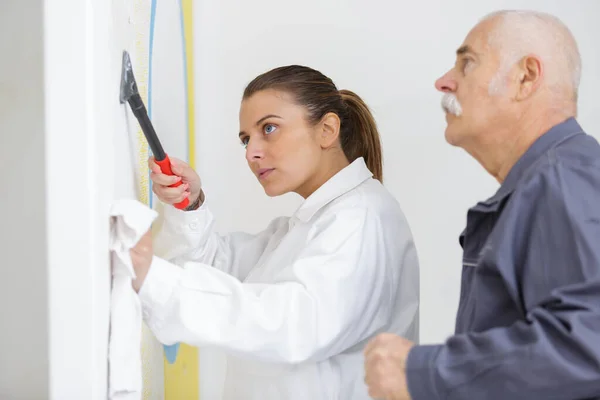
<point x="390" y="53"/>
<point x="80" y="92"/>
<point x="59" y="142"/>
<point x="23" y="287"/>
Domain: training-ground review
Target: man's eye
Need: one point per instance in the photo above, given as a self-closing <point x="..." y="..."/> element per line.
<point x="465" y="63"/>
<point x="269" y="128"/>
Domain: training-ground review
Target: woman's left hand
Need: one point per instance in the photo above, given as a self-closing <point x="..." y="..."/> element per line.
<point x="141" y="257"/>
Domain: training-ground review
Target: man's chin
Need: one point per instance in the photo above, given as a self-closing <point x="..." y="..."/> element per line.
<point x="452" y="135"/>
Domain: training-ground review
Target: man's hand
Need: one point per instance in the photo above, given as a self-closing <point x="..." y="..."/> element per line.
<point x="385" y="363"/>
<point x="141" y="258"/>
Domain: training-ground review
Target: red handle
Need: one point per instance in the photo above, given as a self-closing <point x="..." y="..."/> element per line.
<point x="165" y="167"/>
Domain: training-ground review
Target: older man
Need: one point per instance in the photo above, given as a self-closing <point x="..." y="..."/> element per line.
<point x="528" y="323"/>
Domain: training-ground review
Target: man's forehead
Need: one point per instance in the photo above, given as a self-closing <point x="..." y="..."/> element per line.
<point x="477" y="39"/>
<point x="475" y="42"/>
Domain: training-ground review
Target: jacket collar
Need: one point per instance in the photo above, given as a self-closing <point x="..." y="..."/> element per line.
<point x="342" y="182"/>
<point x="552" y="138"/>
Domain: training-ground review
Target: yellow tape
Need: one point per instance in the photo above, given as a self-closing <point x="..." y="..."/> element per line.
<point x="188" y="22"/>
<point x="182" y="377"/>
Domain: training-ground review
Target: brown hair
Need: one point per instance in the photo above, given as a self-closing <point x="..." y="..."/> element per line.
<point x="359" y="136"/>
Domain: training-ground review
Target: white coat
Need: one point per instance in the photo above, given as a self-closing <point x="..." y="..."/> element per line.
<point x="294" y="305"/>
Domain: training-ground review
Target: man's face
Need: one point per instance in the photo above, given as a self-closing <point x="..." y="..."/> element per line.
<point x="471" y="111"/>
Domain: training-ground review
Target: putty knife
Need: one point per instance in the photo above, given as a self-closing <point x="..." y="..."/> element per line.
<point x="130" y="94"/>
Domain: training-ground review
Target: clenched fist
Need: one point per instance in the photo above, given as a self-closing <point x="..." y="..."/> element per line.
<point x="190" y="187"/>
<point x="385" y="367"/>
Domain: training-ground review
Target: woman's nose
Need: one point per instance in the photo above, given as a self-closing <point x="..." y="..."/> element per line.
<point x="254" y="150"/>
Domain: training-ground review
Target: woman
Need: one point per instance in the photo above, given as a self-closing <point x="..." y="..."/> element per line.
<point x="293" y="305"/>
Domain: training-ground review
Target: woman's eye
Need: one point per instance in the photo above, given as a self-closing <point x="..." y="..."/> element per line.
<point x="245" y="141"/>
<point x="269" y="128"/>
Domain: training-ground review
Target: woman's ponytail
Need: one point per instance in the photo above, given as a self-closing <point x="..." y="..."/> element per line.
<point x="359" y="136"/>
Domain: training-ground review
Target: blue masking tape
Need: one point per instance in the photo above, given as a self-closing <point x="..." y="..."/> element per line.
<point x="171" y="352"/>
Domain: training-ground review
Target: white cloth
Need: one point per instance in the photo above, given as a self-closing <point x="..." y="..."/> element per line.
<point x="294" y="305"/>
<point x="130" y="220"/>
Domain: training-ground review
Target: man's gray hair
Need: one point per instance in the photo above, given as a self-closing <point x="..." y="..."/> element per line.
<point x="522" y="32"/>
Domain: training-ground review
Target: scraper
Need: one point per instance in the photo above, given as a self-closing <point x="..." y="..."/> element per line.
<point x="130" y="94"/>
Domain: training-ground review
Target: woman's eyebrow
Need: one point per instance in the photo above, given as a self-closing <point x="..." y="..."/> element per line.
<point x="242" y="133"/>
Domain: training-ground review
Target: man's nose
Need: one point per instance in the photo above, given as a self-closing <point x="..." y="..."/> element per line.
<point x="446" y="83"/>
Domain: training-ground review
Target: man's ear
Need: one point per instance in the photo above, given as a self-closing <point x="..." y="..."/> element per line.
<point x="329" y="130"/>
<point x="530" y="72"/>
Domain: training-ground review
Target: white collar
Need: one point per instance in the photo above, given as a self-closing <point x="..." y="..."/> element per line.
<point x="342" y="182"/>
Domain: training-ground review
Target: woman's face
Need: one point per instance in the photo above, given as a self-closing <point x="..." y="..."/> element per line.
<point x="282" y="149"/>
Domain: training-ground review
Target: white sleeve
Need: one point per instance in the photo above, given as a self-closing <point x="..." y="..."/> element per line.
<point x="190" y="236"/>
<point x="335" y="295"/>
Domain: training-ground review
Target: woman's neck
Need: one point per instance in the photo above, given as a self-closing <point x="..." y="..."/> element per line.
<point x="329" y="168"/>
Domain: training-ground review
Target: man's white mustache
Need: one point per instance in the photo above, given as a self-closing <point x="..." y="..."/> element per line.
<point x="451" y="105"/>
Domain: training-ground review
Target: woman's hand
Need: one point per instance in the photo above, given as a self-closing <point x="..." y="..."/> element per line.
<point x="141" y="258"/>
<point x="191" y="186"/>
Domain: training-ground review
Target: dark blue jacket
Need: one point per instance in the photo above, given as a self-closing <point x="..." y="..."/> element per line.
<point x="528" y="323"/>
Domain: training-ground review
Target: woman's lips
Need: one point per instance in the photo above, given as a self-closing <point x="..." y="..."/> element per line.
<point x="264" y="172"/>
